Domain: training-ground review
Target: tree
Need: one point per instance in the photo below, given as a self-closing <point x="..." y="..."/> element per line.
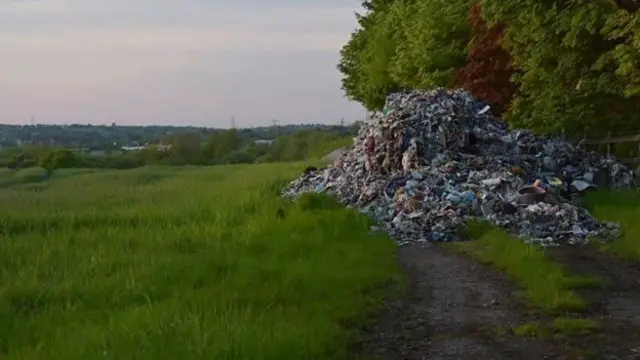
<point x="403" y="44"/>
<point x="238" y="157"/>
<point x="186" y="147"/>
<point x="553" y="65"/>
<point x="487" y="74"/>
<point x="432" y="44"/>
<point x="59" y="159"/>
<point x="576" y="64"/>
<point x="222" y="143"/>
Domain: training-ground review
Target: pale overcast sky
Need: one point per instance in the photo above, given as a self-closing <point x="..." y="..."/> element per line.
<point x="194" y="62"/>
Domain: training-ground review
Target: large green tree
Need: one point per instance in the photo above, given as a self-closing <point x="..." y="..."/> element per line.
<point x="404" y="44"/>
<point x="432" y="37"/>
<point x="365" y="58"/>
<point x="489" y="68"/>
<point x="577" y="64"/>
<point x="222" y="143"/>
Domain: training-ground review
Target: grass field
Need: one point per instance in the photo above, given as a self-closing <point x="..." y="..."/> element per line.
<point x="181" y="263"/>
<point x="166" y="263"/>
<point x="624" y="207"/>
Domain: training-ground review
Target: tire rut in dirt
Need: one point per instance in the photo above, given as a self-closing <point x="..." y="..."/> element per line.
<point x="616" y="304"/>
<point x="453" y="308"/>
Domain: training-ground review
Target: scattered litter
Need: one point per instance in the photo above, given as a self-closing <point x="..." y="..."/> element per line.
<point x="432" y="160"/>
<point x="484" y="110"/>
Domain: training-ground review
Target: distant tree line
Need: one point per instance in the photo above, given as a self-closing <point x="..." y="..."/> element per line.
<point x="546" y="65"/>
<point x="188" y="148"/>
<point x="112" y="137"/>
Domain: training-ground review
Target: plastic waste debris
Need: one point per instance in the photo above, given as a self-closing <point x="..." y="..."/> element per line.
<point x="484" y="110"/>
<point x="432" y="160"/>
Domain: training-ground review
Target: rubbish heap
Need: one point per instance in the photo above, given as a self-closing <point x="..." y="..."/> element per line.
<point x="432" y="160"/>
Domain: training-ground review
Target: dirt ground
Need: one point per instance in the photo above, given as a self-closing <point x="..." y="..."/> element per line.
<point x="616" y="305"/>
<point x="455" y="308"/>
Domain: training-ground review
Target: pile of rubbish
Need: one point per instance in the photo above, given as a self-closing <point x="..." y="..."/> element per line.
<point x="432" y="160"/>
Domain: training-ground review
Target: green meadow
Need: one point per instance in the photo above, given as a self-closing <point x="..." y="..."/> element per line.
<point x="194" y="263"/>
<point x="182" y="263"/>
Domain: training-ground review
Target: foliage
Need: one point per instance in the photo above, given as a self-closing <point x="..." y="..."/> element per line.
<point x="59" y="158"/>
<point x="223" y="147"/>
<point x="92" y="139"/>
<point x="574" y="63"/>
<point x="183" y="263"/>
<point x="433" y="41"/>
<point x="622" y="207"/>
<point x="403" y="44"/>
<point x="487" y="74"/>
<point x="238" y="157"/>
<point x="186" y="146"/>
<point x="223" y="143"/>
<point x="577" y="64"/>
<point x="545" y="283"/>
<point x="303" y="145"/>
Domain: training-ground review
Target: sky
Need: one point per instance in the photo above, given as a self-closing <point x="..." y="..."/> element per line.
<point x="187" y="62"/>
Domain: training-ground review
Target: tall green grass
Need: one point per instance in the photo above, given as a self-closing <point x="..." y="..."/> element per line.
<point x="183" y="263"/>
<point x="622" y="206"/>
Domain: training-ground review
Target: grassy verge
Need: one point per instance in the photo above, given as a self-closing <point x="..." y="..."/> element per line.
<point x="168" y="263"/>
<point x="543" y="281"/>
<point x="624" y="207"/>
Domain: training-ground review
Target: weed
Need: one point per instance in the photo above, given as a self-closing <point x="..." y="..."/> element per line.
<point x="575" y="326"/>
<point x="559" y="327"/>
<point x="531" y="330"/>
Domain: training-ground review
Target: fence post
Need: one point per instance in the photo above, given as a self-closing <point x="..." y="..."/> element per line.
<point x="609" y="144"/>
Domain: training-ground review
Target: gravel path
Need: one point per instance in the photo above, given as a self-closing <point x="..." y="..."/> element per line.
<point x="453" y="308"/>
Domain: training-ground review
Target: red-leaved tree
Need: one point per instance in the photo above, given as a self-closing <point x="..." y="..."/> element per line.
<point x="488" y="70"/>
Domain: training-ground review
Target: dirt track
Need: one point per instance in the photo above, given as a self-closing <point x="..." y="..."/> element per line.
<point x="616" y="305"/>
<point x="455" y="308"/>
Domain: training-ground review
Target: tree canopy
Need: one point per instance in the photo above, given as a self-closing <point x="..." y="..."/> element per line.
<point x="551" y="65"/>
<point x="404" y="44"/>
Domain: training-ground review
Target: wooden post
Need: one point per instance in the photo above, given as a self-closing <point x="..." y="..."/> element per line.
<point x="609" y="144"/>
<point x="638" y="159"/>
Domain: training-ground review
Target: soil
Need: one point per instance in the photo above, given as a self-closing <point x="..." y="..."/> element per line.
<point x="616" y="305"/>
<point x="453" y="308"/>
<point x="456" y="308"/>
